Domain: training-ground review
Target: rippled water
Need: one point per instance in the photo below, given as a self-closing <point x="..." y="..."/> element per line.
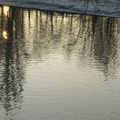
<point x="58" y="66"/>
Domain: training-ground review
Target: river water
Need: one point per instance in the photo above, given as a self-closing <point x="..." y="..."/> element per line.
<point x="56" y="66"/>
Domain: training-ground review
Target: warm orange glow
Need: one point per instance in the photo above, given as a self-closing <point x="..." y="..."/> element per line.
<point x="6" y="10"/>
<point x="5" y="35"/>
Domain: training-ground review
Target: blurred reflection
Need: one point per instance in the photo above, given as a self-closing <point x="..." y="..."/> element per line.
<point x="93" y="39"/>
<point x="105" y="47"/>
<point x="6" y="10"/>
<point x="34" y="35"/>
<point x="11" y="61"/>
<point x="5" y="35"/>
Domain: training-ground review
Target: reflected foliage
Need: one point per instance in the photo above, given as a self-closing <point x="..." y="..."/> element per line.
<point x="11" y="61"/>
<point x="90" y="37"/>
<point x="31" y="34"/>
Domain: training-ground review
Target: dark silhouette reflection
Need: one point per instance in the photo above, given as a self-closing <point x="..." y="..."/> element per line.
<point x="105" y="44"/>
<point x="35" y="35"/>
<point x="91" y="37"/>
<point x="11" y="63"/>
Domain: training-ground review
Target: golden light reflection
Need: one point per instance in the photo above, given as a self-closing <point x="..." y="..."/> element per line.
<point x="6" y="10"/>
<point x="0" y="10"/>
<point x="5" y="34"/>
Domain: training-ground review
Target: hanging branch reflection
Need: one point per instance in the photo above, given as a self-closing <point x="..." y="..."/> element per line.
<point x="12" y="73"/>
<point x="88" y="38"/>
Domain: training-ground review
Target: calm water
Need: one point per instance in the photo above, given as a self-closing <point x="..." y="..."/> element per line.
<point x="58" y="66"/>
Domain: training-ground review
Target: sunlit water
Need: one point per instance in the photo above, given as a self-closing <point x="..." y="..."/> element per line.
<point x="58" y="66"/>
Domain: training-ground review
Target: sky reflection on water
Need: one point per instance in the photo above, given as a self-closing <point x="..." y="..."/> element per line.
<point x="57" y="66"/>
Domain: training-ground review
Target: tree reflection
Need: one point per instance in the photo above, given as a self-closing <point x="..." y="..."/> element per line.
<point x="12" y="72"/>
<point x="89" y="36"/>
<point x="92" y="37"/>
<point x="34" y="34"/>
<point x="105" y="44"/>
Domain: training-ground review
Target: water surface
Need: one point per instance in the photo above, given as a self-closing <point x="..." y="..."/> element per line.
<point x="57" y="66"/>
